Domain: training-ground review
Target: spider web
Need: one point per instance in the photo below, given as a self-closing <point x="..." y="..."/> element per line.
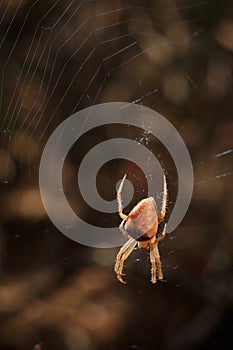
<point x="59" y="57"/>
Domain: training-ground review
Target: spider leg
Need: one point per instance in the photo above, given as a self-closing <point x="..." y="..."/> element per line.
<point x="155" y="262"/>
<point x="164" y="203"/>
<point x="120" y="210"/>
<point x="123" y="254"/>
<point x="162" y="235"/>
<point x="121" y="227"/>
<point x="158" y="262"/>
<point x="155" y="257"/>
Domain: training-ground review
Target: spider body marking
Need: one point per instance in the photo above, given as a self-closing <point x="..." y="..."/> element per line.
<point x="141" y="227"/>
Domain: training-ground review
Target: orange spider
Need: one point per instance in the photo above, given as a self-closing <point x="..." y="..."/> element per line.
<point x="141" y="226"/>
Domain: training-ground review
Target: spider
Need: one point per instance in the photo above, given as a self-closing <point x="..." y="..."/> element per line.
<point x="141" y="227"/>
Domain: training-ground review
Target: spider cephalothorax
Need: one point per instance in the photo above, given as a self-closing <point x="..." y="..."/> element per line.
<point x="141" y="226"/>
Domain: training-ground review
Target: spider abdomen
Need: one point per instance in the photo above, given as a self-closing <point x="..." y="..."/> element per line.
<point x="142" y="222"/>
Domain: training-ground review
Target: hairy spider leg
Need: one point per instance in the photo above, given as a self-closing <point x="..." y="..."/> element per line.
<point x="155" y="257"/>
<point x="121" y="227"/>
<point x="164" y="202"/>
<point x="119" y="200"/>
<point x="123" y="254"/>
<point x="162" y="235"/>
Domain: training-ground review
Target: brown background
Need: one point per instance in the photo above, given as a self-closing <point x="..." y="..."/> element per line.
<point x="57" y="58"/>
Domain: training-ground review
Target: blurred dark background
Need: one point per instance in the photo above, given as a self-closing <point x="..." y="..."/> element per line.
<point x="58" y="57"/>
